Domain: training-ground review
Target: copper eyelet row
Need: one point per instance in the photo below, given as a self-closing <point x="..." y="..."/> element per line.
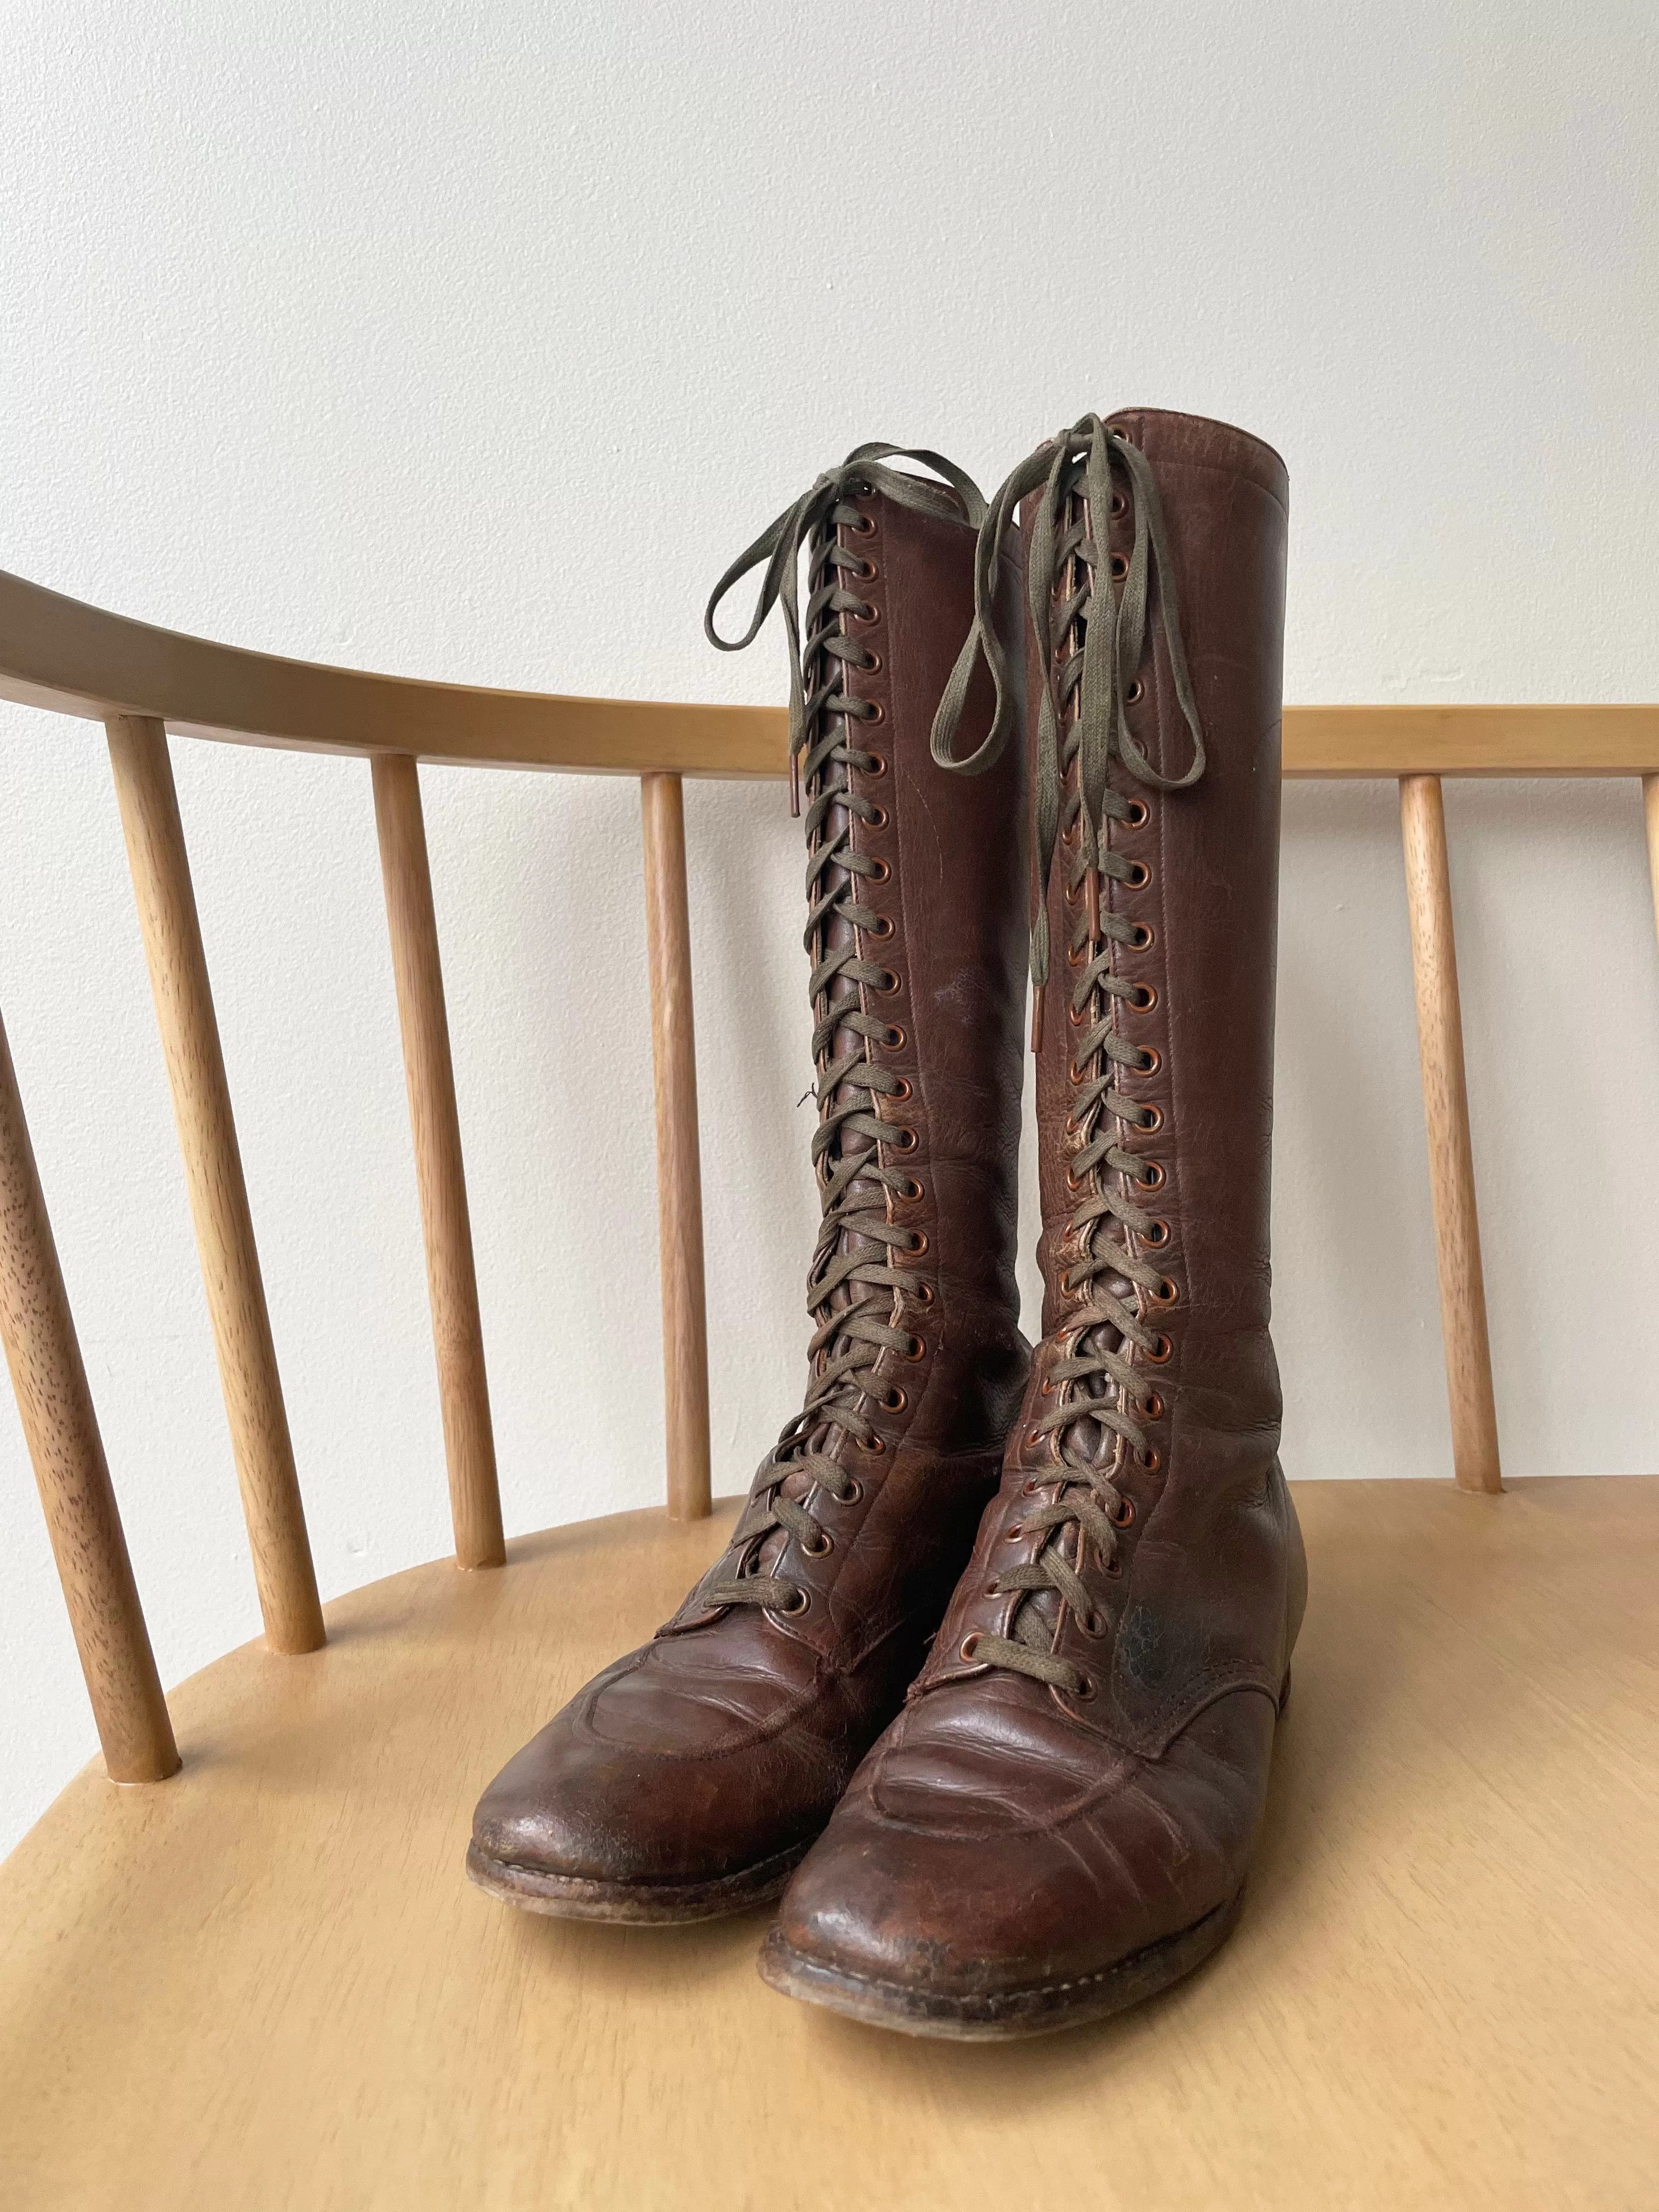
<point x="1133" y="696"/>
<point x="879" y="870"/>
<point x="1144" y="997"/>
<point x="1138" y="876"/>
<point x="826" y="1542"/>
<point x="1152" y="1406"/>
<point x="864" y="527"/>
<point x="893" y="1400"/>
<point x="1156" y="1233"/>
<point x="1125" y="1515"/>
<point x="1139" y="813"/>
<point x="1118" y="565"/>
<point x="1162" y="1346"/>
<point x="1151" y="1060"/>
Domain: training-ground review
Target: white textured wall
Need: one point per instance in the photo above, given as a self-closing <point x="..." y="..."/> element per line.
<point x="471" y="342"/>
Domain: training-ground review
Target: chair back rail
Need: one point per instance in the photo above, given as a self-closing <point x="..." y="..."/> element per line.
<point x="143" y="683"/>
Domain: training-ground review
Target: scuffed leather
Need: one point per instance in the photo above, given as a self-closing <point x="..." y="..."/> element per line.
<point x="728" y="1739"/>
<point x="1004" y="1834"/>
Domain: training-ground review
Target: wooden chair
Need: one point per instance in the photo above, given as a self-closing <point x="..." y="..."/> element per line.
<point x="264" y="1982"/>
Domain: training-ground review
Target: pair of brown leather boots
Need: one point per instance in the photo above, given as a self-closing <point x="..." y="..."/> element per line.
<point x="986" y="1681"/>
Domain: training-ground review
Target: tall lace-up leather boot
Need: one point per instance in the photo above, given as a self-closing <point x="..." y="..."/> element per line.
<point x="687" y="1779"/>
<point x="1060" y="1821"/>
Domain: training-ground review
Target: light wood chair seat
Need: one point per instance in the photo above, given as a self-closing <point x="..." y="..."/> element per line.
<point x="268" y="1984"/>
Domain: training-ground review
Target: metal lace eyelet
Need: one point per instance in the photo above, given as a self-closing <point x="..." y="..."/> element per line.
<point x="866" y="572"/>
<point x="879" y="870"/>
<point x="1078" y="1016"/>
<point x="894" y="1400"/>
<point x="992" y="1590"/>
<point x="1113" y="1569"/>
<point x="1151" y="1119"/>
<point x="1151" y="1177"/>
<point x="894" y="1036"/>
<point x="1118" y="502"/>
<point x="879" y="766"/>
<point x="1012" y="1534"/>
<point x="1125" y="1514"/>
<point x="1118" y="431"/>
<point x="870" y="662"/>
<point x="864" y="527"/>
<point x="1133" y="698"/>
<point x="1028" y="1488"/>
<point x="916" y="1349"/>
<point x="970" y="1645"/>
<point x="903" y="1140"/>
<point x="1144" y="997"/>
<point x="1154" y="1233"/>
<point x="1167" y="1292"/>
<point x="1086" y="1687"/>
<point x="826" y="1542"/>
<point x="911" y="1187"/>
<point x="918" y="1237"/>
<point x="852" y="1494"/>
<point x="889" y="984"/>
<point x="876" y="818"/>
<point x="1139" y="813"/>
<point x="1092" y="1624"/>
<point x="1077" y="956"/>
<point x="875" y="1444"/>
<point x="1033" y="1439"/>
<point x="1150" y="1061"/>
<point x="1161" y="1348"/>
<point x="864" y="614"/>
<point x="903" y="1090"/>
<point x="1118" y="565"/>
<point x="881" y="927"/>
<point x="922" y="1293"/>
<point x="1143" y="937"/>
<point x="798" y="1604"/>
<point x="1149" y="1460"/>
<point x="1152" y="1409"/>
<point x="873" y="711"/>
<point x="1138" y="876"/>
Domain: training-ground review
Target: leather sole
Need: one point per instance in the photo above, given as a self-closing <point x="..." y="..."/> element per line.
<point x="1000" y="2015"/>
<point x="634" y="1903"/>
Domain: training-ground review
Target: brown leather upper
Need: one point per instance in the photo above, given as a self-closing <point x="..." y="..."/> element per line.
<point x="1006" y="1833"/>
<point x="726" y="1741"/>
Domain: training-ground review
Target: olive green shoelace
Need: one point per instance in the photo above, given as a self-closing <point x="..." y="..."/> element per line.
<point x="1092" y="644"/>
<point x="856" y="1296"/>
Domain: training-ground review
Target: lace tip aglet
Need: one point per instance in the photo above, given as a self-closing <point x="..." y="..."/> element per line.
<point x="794" y="787"/>
<point x="1039" y="1000"/>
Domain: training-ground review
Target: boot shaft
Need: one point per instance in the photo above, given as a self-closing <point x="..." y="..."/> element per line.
<point x="950" y="941"/>
<point x="1202" y="902"/>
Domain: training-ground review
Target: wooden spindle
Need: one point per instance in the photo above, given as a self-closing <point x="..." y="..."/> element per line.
<point x="1451" y="1159"/>
<point x="259" y="1438"/>
<point x="1651" y="813"/>
<point x="70" y="1471"/>
<point x="475" y="1501"/>
<point x="679" y="1175"/>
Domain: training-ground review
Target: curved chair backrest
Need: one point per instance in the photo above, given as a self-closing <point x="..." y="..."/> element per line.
<point x="141" y="683"/>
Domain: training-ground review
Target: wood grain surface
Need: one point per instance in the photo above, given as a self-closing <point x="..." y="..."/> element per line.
<point x="235" y="1290"/>
<point x="61" y="1429"/>
<point x="268" y="1986"/>
<point x="58" y="653"/>
<point x="475" y="1500"/>
<point x="1451" y="1156"/>
<point x="679" y="1169"/>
